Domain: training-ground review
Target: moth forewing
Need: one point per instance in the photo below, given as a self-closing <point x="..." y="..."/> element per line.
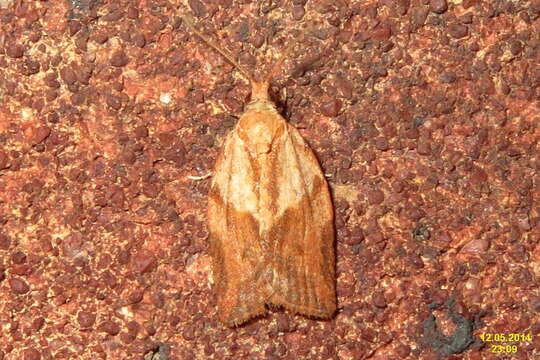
<point x="270" y="217"/>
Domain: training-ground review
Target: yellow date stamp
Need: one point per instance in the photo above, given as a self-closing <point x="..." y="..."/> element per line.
<point x="504" y="338"/>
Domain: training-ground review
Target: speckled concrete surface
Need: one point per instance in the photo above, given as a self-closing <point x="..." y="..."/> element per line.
<point x="424" y="115"/>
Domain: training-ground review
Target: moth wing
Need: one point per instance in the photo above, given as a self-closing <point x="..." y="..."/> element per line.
<point x="302" y="235"/>
<point x="234" y="234"/>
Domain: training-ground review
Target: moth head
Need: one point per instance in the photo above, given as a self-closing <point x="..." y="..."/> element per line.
<point x="259" y="90"/>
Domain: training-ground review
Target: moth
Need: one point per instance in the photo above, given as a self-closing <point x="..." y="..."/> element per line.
<point x="270" y="216"/>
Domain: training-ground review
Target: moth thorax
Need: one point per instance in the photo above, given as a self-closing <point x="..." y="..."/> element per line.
<point x="258" y="129"/>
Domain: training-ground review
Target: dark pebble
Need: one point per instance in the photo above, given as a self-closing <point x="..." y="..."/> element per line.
<point x="15" y="51"/>
<point x="457" y="31"/>
<point x="438" y="6"/>
<point x="19" y="286"/>
<point x="119" y="59"/>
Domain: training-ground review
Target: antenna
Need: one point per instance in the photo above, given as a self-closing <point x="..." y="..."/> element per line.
<point x="189" y="22"/>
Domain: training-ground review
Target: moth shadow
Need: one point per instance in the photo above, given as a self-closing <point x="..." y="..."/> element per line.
<point x="280" y="103"/>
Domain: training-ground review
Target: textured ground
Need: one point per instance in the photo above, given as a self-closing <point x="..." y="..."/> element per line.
<point x="424" y="115"/>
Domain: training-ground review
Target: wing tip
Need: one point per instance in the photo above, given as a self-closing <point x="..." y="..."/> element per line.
<point x="236" y="321"/>
<point x="306" y="311"/>
<point x="325" y="313"/>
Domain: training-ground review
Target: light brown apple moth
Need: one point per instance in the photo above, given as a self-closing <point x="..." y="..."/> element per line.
<point x="270" y="217"/>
